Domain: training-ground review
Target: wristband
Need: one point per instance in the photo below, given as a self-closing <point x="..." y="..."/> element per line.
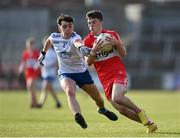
<point x="43" y="53"/>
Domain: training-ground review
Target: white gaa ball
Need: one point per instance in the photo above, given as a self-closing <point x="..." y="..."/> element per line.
<point x="102" y="37"/>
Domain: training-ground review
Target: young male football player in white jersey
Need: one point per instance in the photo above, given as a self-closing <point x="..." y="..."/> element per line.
<point x="49" y="74"/>
<point x="111" y="70"/>
<point x="72" y="68"/>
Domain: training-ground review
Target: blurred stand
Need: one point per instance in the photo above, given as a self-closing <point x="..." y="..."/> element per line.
<point x="150" y="29"/>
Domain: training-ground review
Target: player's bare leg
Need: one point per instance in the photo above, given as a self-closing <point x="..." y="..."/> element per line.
<point x="93" y="92"/>
<point x="69" y="87"/>
<point x="31" y="89"/>
<point x="44" y="92"/>
<point x="118" y="97"/>
<point x="47" y="87"/>
<point x="54" y="95"/>
<point x="126" y="112"/>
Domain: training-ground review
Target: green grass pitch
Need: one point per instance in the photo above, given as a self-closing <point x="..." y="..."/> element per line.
<point x="18" y="120"/>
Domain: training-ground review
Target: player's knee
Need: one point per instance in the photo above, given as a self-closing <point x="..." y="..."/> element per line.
<point x="117" y="99"/>
<point x="70" y="93"/>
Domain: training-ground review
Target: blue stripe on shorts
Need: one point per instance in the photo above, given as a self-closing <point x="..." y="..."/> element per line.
<point x="80" y="78"/>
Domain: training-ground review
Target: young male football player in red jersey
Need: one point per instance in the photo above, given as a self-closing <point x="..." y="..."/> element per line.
<point x="111" y="70"/>
<point x="29" y="62"/>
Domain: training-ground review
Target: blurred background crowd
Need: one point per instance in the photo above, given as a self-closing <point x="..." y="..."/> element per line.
<point x="150" y="28"/>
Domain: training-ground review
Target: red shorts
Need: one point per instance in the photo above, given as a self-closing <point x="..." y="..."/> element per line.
<point x="32" y="73"/>
<point x="118" y="79"/>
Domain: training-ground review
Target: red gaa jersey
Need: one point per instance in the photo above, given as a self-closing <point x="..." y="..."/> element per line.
<point x="108" y="64"/>
<point x="30" y="60"/>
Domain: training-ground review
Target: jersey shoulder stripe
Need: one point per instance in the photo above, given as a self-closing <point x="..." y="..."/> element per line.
<point x="74" y="34"/>
<point x="55" y="35"/>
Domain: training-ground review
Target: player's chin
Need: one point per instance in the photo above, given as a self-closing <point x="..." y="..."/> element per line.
<point x="91" y="29"/>
<point x="69" y="34"/>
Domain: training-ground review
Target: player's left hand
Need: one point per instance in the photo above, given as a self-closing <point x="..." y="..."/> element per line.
<point x="97" y="45"/>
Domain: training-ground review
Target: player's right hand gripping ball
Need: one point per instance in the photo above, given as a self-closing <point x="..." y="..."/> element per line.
<point x="41" y="58"/>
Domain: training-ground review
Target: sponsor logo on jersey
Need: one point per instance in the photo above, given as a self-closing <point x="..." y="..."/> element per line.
<point x="55" y="42"/>
<point x="104" y="53"/>
<point x="65" y="55"/>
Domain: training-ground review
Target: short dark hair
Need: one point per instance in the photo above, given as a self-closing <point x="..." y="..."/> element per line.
<point x="94" y="14"/>
<point x="65" y="18"/>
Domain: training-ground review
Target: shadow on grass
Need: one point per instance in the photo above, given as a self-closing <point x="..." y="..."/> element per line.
<point x="169" y="133"/>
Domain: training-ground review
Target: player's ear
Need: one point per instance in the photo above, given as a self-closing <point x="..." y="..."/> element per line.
<point x="59" y="29"/>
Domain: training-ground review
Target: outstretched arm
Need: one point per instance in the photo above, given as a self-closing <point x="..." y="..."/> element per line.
<point x="47" y="45"/>
<point x="82" y="48"/>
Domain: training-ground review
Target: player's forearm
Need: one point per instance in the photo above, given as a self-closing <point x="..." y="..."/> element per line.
<point x="47" y="45"/>
<point x="91" y="58"/>
<point x="121" y="48"/>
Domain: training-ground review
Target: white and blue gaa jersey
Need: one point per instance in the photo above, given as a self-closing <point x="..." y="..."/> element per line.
<point x="70" y="60"/>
